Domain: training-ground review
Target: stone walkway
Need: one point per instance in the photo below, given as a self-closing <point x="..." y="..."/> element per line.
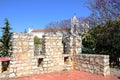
<point x="69" y="75"/>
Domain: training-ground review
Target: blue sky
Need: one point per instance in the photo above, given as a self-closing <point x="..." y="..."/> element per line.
<point x="24" y="14"/>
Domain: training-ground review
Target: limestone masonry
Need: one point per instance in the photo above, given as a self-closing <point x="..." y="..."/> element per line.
<point x="96" y="64"/>
<point x="24" y="62"/>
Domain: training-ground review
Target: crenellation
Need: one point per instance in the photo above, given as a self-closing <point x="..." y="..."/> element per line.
<point x="24" y="62"/>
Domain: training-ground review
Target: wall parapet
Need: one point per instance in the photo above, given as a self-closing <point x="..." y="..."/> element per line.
<point x="24" y="62"/>
<point x="93" y="63"/>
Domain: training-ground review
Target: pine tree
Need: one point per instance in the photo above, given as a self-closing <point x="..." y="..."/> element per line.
<point x="5" y="39"/>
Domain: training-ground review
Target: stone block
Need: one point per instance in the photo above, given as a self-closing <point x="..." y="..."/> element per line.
<point x="68" y="68"/>
<point x="61" y="63"/>
<point x="46" y="59"/>
<point x="31" y="43"/>
<point x="20" y="68"/>
<point x="45" y="69"/>
<point x="15" y="36"/>
<point x="28" y="68"/>
<point x="106" y="60"/>
<point x="34" y="64"/>
<point x="3" y="76"/>
<point x="12" y="75"/>
<point x="41" y="72"/>
<point x="11" y="70"/>
<point x="45" y="65"/>
<point x="84" y="65"/>
<point x="91" y="71"/>
<point x="52" y="64"/>
<point x="34" y="60"/>
<point x="34" y="67"/>
<point x="19" y="74"/>
<point x="90" y="66"/>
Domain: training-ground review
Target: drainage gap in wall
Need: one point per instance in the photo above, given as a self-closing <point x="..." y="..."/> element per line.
<point x="40" y="60"/>
<point x="66" y="60"/>
<point x="5" y="65"/>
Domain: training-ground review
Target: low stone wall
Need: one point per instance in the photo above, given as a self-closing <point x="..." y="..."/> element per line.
<point x="96" y="64"/>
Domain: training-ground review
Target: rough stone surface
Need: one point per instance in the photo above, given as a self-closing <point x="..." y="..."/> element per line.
<point x="24" y="61"/>
<point x="12" y="75"/>
<point x="97" y="64"/>
<point x="23" y="53"/>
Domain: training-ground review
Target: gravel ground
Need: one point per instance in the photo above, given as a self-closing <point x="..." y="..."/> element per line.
<point x="115" y="72"/>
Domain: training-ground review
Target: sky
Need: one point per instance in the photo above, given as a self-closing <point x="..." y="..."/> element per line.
<point x="36" y="14"/>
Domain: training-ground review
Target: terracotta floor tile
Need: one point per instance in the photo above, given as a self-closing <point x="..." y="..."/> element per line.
<point x="69" y="75"/>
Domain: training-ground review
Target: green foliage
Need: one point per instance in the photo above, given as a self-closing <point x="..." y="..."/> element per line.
<point x="37" y="40"/>
<point x="88" y="41"/>
<point x="5" y="39"/>
<point x="87" y="51"/>
<point x="104" y="39"/>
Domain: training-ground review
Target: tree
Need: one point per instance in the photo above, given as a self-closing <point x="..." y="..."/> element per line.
<point x="93" y="21"/>
<point x="60" y="26"/>
<point x="37" y="40"/>
<point x="105" y="39"/>
<point x="88" y="41"/>
<point x="25" y="31"/>
<point x="6" y="40"/>
<point x="64" y="26"/>
<point x="104" y="10"/>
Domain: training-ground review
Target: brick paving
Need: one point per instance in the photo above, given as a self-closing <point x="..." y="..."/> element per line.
<point x="69" y="75"/>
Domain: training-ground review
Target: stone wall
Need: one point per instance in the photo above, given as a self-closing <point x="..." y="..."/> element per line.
<point x="53" y="49"/>
<point x="97" y="64"/>
<point x="52" y="58"/>
<point x="25" y="63"/>
<point x="23" y="53"/>
<point x="75" y="45"/>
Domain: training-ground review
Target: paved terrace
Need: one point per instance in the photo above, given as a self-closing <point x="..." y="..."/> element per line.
<point x="69" y="75"/>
